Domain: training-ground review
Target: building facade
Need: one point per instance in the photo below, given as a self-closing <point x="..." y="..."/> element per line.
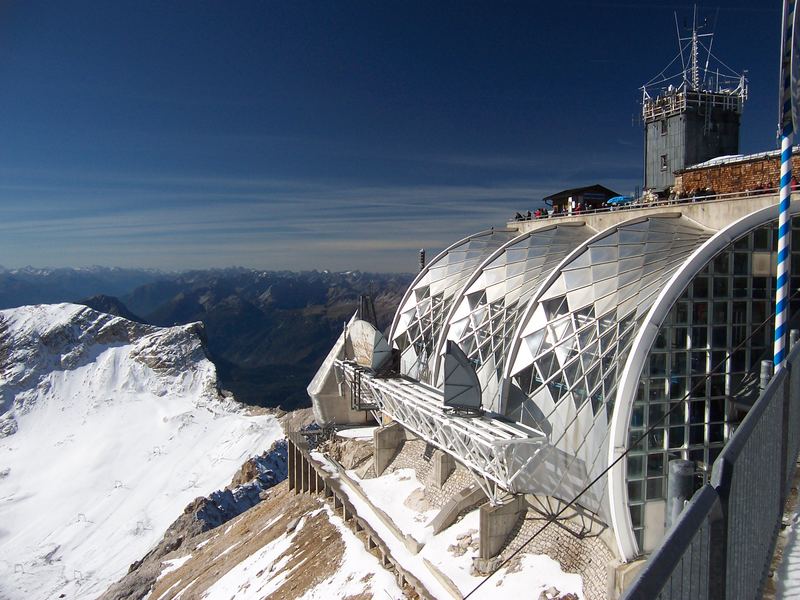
<point x="600" y="356"/>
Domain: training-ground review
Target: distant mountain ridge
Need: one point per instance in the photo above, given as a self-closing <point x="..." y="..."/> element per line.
<point x="267" y="331"/>
<point x="112" y="306"/>
<point x="32" y="285"/>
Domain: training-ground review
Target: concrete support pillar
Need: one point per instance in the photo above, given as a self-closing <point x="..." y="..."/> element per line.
<point x="443" y="465"/>
<point x="387" y="442"/>
<point x="496" y="523"/>
<point x="305" y="469"/>
<point x="298" y="470"/>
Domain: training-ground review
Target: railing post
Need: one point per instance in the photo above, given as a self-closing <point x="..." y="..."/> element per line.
<point x="766" y="375"/>
<point x="721" y="479"/>
<point x="717" y="550"/>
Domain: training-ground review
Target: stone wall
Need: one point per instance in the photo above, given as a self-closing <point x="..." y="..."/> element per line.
<point x="750" y="175"/>
<point x="413" y="456"/>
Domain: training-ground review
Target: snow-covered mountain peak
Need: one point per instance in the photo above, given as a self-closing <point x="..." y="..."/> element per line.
<point x="108" y="429"/>
<point x="37" y="340"/>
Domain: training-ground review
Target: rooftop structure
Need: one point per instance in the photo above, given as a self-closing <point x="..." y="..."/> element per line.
<point x="693" y="115"/>
<point x="592" y="196"/>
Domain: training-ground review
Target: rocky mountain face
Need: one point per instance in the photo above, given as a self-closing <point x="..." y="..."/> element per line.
<point x="286" y="547"/>
<point x="108" y="429"/>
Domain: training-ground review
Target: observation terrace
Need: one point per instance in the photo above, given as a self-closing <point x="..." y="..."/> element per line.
<point x="714" y="212"/>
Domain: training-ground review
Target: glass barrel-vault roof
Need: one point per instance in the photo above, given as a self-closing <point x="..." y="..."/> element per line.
<point x="486" y="315"/>
<point x="568" y="357"/>
<point x="421" y="315"/>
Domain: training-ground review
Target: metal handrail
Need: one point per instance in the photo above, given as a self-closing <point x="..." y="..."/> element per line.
<point x="639" y="203"/>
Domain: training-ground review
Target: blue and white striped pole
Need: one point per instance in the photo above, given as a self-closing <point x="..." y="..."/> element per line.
<point x="784" y="231"/>
<point x="784" y="226"/>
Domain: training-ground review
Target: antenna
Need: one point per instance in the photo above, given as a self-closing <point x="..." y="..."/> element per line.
<point x="680" y="47"/>
<point x="710" y="44"/>
<point x="702" y="87"/>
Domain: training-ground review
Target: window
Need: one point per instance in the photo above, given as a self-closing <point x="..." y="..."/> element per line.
<point x="663" y="162"/>
<point x="664" y="127"/>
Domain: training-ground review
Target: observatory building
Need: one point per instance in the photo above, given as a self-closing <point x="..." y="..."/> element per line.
<point x="574" y="357"/>
<point x="692" y="116"/>
<point x="538" y="358"/>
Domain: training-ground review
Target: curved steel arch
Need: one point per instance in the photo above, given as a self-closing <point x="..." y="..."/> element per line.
<point x="554" y="274"/>
<point x="409" y="303"/>
<point x="490" y="263"/>
<point x="571" y="396"/>
<point x="643" y="342"/>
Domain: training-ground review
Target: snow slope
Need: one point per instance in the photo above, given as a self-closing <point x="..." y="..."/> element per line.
<point x="287" y="547"/>
<point x="528" y="577"/>
<point x="108" y="429"/>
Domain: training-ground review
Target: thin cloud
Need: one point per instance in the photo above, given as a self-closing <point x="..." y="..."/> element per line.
<point x="177" y="221"/>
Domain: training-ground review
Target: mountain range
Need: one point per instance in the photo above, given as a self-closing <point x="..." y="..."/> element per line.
<point x="267" y="332"/>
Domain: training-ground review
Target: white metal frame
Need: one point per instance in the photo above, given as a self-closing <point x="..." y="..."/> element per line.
<point x="480" y="443"/>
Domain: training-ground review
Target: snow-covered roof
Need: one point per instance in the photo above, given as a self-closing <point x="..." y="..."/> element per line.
<point x="730" y="159"/>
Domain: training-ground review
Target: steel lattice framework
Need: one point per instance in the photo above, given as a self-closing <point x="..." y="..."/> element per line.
<point x="581" y="342"/>
<point x="489" y="447"/>
<point x="485" y="315"/>
<point x="423" y="310"/>
<point x="577" y="332"/>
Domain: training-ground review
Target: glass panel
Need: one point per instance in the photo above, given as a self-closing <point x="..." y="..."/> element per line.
<point x="635" y="491"/>
<point x="676" y="437"/>
<point x="635" y="467"/>
<point x="721" y="287"/>
<point x="655" y="488"/>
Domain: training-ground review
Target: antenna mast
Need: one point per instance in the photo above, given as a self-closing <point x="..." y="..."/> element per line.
<point x="695" y="69"/>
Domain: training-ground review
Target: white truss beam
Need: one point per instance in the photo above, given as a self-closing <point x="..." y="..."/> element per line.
<point x="480" y="443"/>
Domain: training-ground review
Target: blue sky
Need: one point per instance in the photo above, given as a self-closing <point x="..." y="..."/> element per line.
<point x="338" y="135"/>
